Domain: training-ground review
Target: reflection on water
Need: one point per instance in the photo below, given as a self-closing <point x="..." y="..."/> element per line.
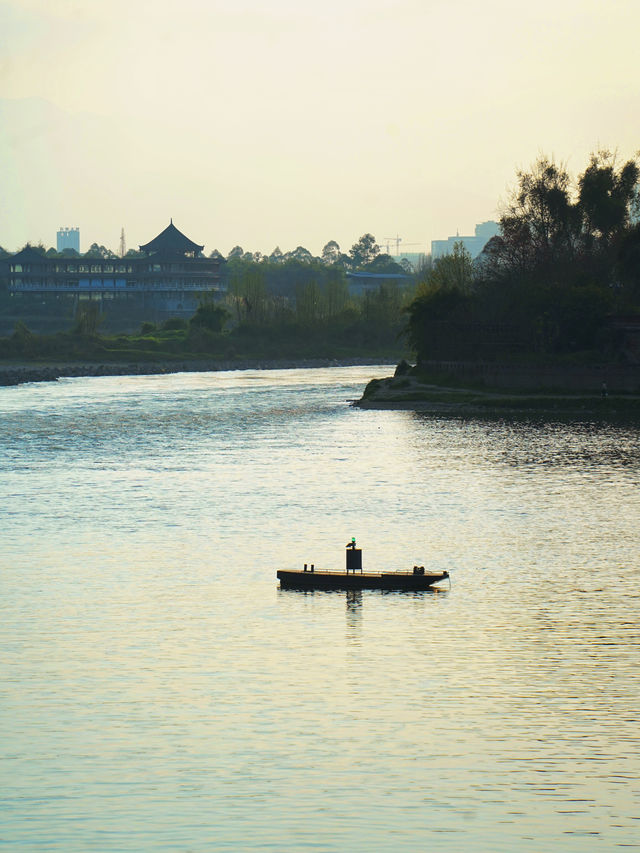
<point x="536" y="443"/>
<point x="354" y="602"/>
<point x="160" y="692"/>
<point x="353" y="598"/>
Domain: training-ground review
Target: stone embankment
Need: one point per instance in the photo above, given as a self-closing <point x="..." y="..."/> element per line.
<point x="16" y="374"/>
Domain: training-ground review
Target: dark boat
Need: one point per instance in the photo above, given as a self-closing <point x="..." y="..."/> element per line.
<point x="355" y="578"/>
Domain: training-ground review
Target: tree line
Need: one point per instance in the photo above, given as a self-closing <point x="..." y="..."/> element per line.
<point x="365" y="254"/>
<point x="294" y="294"/>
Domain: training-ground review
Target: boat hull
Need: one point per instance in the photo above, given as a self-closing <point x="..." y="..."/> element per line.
<point x="299" y="579"/>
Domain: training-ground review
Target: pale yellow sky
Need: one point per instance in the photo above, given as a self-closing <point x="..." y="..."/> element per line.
<point x="291" y="123"/>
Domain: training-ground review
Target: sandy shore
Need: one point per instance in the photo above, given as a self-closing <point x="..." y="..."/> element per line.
<point x="16" y="374"/>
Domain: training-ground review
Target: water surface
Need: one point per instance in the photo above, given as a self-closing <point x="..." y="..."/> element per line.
<point x="159" y="692"/>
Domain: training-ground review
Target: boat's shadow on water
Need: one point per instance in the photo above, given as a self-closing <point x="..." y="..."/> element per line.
<point x="354" y="597"/>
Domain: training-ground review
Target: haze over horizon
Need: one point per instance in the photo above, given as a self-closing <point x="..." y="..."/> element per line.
<point x="298" y="124"/>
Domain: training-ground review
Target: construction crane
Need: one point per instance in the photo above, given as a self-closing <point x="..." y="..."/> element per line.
<point x="397" y="240"/>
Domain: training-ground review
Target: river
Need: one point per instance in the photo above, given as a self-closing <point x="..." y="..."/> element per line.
<point x="159" y="692"/>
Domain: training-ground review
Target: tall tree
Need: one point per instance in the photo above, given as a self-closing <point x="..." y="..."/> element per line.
<point x="453" y="271"/>
<point x="540" y="219"/>
<point x="364" y="251"/>
<point x="557" y="230"/>
<point x="96" y="251"/>
<point x="331" y="252"/>
<point x="336" y="294"/>
<point x="247" y="286"/>
<point x="300" y="254"/>
<point x="606" y="196"/>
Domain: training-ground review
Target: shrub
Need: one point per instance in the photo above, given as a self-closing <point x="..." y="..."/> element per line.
<point x="210" y="316"/>
<point x="175" y="324"/>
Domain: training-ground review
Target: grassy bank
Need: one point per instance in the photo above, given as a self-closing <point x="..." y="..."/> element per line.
<point x="186" y="343"/>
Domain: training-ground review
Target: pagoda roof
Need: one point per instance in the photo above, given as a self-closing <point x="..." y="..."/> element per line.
<point x="171" y="241"/>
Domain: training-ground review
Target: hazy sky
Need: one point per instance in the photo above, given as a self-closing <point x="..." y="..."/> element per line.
<point x="295" y="123"/>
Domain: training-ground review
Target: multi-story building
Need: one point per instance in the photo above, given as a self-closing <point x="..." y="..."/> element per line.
<point x="473" y="244"/>
<point x="171" y="274"/>
<point x="68" y="238"/>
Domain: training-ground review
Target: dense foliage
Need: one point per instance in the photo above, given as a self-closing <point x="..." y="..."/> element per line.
<point x="367" y="326"/>
<point x="566" y="261"/>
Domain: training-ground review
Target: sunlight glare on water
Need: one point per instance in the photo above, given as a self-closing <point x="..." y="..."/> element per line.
<point x="160" y="692"/>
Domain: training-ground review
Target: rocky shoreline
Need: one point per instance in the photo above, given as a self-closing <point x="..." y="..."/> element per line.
<point x="18" y="374"/>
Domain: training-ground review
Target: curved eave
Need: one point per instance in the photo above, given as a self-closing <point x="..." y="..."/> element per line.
<point x="171" y="240"/>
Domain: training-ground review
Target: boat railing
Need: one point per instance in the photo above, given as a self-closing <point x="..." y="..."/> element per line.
<point x="342" y="573"/>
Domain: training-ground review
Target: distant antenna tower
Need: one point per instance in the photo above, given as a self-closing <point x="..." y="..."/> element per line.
<point x="123" y="244"/>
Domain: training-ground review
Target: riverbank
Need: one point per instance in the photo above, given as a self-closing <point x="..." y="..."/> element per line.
<point x="21" y="372"/>
<point x="410" y="393"/>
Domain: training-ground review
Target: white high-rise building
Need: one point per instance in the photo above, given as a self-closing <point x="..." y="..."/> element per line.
<point x="474" y="245"/>
<point x="68" y="238"/>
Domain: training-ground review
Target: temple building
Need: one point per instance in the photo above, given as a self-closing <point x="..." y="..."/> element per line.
<point x="170" y="274"/>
